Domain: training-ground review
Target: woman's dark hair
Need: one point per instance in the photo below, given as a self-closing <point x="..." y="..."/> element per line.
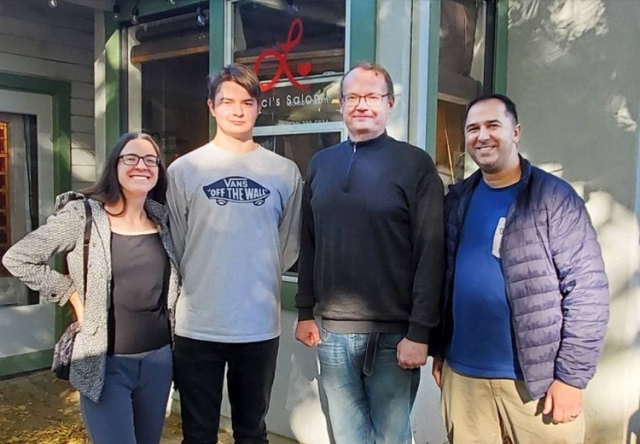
<point x="108" y="190"/>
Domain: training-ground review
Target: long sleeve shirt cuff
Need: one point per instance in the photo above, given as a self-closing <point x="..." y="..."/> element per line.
<point x="417" y="333"/>
<point x="305" y="313"/>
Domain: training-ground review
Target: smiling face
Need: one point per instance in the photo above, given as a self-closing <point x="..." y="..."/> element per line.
<point x="492" y="136"/>
<point x="137" y="180"/>
<point x="364" y="121"/>
<point x="235" y="110"/>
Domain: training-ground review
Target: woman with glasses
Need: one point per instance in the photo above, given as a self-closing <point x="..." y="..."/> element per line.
<point x="122" y="358"/>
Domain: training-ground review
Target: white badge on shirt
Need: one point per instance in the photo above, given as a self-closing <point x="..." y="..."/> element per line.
<point x="497" y="237"/>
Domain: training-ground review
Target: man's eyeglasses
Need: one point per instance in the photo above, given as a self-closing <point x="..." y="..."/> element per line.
<point x="373" y="100"/>
<point x="133" y="159"/>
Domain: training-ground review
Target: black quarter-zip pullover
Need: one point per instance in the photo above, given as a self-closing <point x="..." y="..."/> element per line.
<point x="372" y="247"/>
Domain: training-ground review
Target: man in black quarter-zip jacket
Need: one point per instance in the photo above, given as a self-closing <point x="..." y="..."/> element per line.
<point x="372" y="260"/>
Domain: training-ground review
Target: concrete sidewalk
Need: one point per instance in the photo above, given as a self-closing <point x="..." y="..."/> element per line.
<point x="40" y="409"/>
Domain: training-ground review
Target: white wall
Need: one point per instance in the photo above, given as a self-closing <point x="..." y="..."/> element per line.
<point x="36" y="40"/>
<point x="574" y="72"/>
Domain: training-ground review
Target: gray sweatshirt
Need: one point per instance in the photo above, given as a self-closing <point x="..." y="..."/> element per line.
<point x="235" y="222"/>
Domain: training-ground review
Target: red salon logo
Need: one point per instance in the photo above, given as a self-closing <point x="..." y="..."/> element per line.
<point x="304" y="68"/>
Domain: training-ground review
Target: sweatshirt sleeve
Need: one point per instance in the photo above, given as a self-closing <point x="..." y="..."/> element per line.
<point x="289" y="228"/>
<point x="178" y="212"/>
<point x="28" y="259"/>
<point x="427" y="228"/>
<point x="305" y="299"/>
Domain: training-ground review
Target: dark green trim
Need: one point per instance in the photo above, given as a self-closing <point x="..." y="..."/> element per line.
<point x="362" y="46"/>
<point x="25" y="363"/>
<point x="113" y="69"/>
<point x="148" y="7"/>
<point x="288" y="295"/>
<point x="60" y="93"/>
<point x="216" y="45"/>
<point x="502" y="37"/>
<point x="433" y="64"/>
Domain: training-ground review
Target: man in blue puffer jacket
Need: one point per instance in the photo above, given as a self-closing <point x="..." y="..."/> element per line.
<point x="526" y="299"/>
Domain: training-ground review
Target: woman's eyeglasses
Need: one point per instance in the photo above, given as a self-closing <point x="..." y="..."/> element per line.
<point x="133" y="159"/>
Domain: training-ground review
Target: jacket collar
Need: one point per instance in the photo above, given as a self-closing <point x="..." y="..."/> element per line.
<point x="469" y="184"/>
<point x="157" y="212"/>
<point x="368" y="142"/>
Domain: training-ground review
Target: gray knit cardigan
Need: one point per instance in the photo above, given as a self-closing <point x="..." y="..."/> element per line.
<point x="28" y="260"/>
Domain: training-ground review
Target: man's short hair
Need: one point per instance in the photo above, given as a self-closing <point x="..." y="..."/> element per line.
<point x="509" y="105"/>
<point x="237" y="73"/>
<point x="368" y="66"/>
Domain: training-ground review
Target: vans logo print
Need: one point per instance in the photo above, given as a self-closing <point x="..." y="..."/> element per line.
<point x="236" y="189"/>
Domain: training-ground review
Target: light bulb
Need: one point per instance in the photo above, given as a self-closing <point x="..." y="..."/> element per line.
<point x="135" y="16"/>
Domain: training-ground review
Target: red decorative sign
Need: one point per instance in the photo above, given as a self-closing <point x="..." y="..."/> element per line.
<point x="303" y="68"/>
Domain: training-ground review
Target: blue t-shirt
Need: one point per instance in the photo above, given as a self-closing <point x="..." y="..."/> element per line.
<point x="483" y="343"/>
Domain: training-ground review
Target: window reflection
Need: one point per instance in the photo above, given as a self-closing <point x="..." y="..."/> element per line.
<point x="461" y="69"/>
<point x="173" y="57"/>
<point x="305" y="36"/>
<point x="299" y="147"/>
<point x="288" y="105"/>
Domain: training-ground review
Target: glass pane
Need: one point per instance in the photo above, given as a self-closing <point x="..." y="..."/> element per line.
<point x="292" y="40"/>
<point x="288" y="105"/>
<point x="174" y="103"/>
<point x="461" y="71"/>
<point x="173" y="57"/>
<point x="299" y="147"/>
<point x="462" y="35"/>
<point x="18" y="198"/>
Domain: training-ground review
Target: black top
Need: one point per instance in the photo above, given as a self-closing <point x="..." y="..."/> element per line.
<point x="138" y="316"/>
<point x="372" y="247"/>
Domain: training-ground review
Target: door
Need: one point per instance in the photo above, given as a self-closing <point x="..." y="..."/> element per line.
<point x="18" y="162"/>
<point x="27" y="324"/>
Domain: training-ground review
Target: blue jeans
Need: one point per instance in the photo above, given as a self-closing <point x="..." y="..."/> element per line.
<point x="366" y="407"/>
<point x="133" y="401"/>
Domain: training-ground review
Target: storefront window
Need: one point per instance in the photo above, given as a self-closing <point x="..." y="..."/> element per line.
<point x="461" y="71"/>
<point x="172" y="58"/>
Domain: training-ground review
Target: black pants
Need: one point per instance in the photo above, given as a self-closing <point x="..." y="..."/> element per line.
<point x="199" y="372"/>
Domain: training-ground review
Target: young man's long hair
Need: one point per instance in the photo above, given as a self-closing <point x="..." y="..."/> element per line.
<point x="236" y="73"/>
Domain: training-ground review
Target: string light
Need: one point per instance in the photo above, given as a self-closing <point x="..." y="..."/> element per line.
<point x="202" y="18"/>
<point x="292" y="7"/>
<point x="135" y="15"/>
<point x="116" y="10"/>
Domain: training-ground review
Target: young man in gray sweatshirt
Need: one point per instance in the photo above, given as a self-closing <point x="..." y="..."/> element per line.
<point x="235" y="221"/>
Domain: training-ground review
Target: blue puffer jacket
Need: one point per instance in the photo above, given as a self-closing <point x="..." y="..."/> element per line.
<point x="555" y="279"/>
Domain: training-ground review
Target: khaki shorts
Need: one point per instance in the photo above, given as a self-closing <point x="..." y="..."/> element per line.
<point x="486" y="411"/>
